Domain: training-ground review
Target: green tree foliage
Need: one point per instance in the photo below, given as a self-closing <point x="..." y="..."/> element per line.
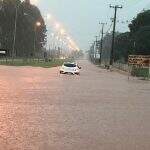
<point x="142" y="41"/>
<point x="27" y="33"/>
<point x="123" y="47"/>
<point x="137" y="41"/>
<point x="140" y="33"/>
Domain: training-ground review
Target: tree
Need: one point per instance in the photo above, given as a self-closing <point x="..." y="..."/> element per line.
<point x="77" y="54"/>
<point x="123" y="47"/>
<point x="142" y="41"/>
<point x="26" y="34"/>
<point x="7" y="18"/>
<point x="140" y="33"/>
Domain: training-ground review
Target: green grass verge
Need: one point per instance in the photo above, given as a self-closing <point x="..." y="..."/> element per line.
<point x="141" y="72"/>
<point x="33" y="63"/>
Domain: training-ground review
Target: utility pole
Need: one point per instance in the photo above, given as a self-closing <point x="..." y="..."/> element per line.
<point x="96" y="46"/>
<point x="101" y="44"/>
<point x="116" y="7"/>
<point x="14" y="36"/>
<point x="92" y="51"/>
<point x="15" y="30"/>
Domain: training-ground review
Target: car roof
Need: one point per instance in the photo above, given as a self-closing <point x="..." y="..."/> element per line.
<point x="70" y="63"/>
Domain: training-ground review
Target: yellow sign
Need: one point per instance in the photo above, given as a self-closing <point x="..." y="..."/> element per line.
<point x="140" y="60"/>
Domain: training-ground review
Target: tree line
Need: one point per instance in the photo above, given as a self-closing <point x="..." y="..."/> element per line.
<point x="136" y="41"/>
<point x="29" y="38"/>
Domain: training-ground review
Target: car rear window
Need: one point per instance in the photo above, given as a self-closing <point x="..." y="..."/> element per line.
<point x="69" y="65"/>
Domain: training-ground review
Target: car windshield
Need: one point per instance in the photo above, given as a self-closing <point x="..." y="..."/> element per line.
<point x="69" y="65"/>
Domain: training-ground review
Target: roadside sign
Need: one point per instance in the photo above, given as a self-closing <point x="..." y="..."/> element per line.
<point x="2" y="52"/>
<point x="139" y="60"/>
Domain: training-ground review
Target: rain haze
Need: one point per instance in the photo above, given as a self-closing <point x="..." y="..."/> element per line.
<point x="74" y="74"/>
<point x="80" y="18"/>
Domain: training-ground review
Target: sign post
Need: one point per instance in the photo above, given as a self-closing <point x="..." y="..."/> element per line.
<point x="140" y="61"/>
<point x="3" y="53"/>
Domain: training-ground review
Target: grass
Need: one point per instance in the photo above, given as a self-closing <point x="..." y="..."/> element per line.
<point x="32" y="62"/>
<point x="141" y="72"/>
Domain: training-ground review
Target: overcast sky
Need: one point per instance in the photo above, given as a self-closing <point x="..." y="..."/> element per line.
<point x="81" y="17"/>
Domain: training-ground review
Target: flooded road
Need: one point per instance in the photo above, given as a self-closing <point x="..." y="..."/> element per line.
<point x="99" y="110"/>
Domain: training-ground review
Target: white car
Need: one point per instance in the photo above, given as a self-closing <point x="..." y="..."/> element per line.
<point x="72" y="68"/>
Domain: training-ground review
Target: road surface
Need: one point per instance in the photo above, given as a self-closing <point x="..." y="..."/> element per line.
<point x="99" y="110"/>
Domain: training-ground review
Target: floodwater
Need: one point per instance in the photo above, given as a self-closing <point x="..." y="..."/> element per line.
<point x="99" y="110"/>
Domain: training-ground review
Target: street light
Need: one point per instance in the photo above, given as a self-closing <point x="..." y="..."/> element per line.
<point x="48" y="16"/>
<point x="62" y="31"/>
<point x="15" y="30"/>
<point x="68" y="38"/>
<point x="34" y="1"/>
<point x="57" y="25"/>
<point x="52" y="40"/>
<point x="37" y="24"/>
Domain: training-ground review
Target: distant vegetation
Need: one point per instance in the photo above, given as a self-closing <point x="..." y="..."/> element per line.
<point x="33" y="62"/>
<point x="26" y="34"/>
<point x="137" y="41"/>
<point x="76" y="54"/>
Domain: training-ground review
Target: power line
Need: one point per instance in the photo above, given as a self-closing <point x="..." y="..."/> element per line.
<point x="109" y="28"/>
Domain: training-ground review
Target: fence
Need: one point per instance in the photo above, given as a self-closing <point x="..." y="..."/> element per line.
<point x="122" y="66"/>
<point x="134" y="70"/>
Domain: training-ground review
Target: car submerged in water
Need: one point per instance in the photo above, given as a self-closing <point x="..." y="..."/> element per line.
<point x="71" y="68"/>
